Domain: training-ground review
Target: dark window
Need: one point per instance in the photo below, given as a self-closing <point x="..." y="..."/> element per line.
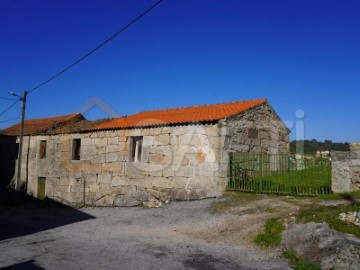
<point x="253" y="133"/>
<point x="76" y="146"/>
<point x="42" y="151"/>
<point x="135" y="148"/>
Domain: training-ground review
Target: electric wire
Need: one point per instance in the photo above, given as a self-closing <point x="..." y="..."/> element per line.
<point x="7" y="98"/>
<point x="8" y="108"/>
<point x="9" y="119"/>
<point x="97" y="47"/>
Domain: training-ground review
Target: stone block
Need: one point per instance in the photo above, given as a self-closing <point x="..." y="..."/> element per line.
<point x="148" y="141"/>
<point x="180" y="182"/>
<point x="87" y="152"/>
<point x="339" y="155"/>
<point x="174" y="140"/>
<point x="184" y="171"/>
<point x="154" y="168"/>
<point x="159" y="159"/>
<point x="160" y="182"/>
<point x="355" y="146"/>
<point x="142" y="183"/>
<point x="354" y="163"/>
<point x="340" y="177"/>
<point x="118" y="181"/>
<point x="166" y="130"/>
<point x="162" y="139"/>
<point x="100" y="142"/>
<point x="207" y="170"/>
<point x="179" y="194"/>
<point x="122" y="146"/>
<point x="354" y="154"/>
<point x="112" y="157"/>
<point x="116" y="167"/>
<point x="122" y="138"/>
<point x="90" y="178"/>
<point x="168" y="171"/>
<point x="113" y="141"/>
<point x="131" y="196"/>
<point x="98" y="159"/>
<point x="105" y="201"/>
<point x="134" y="171"/>
<point x="104" y="178"/>
<point x="112" y="148"/>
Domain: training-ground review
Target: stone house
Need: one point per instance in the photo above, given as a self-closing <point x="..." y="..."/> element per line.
<point x="162" y="155"/>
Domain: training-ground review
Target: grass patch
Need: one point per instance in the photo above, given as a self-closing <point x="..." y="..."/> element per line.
<point x="272" y="233"/>
<point x="330" y="215"/>
<point x="299" y="263"/>
<point x="309" y="177"/>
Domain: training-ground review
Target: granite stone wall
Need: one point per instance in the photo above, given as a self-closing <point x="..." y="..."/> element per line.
<point x="258" y="130"/>
<point x="177" y="163"/>
<point x="346" y="169"/>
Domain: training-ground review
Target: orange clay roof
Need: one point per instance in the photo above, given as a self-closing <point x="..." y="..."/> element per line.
<point x="42" y="125"/>
<point x="204" y="113"/>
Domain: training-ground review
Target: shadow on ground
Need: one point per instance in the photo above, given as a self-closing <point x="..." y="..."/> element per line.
<point x="21" y="214"/>
<point x="30" y="265"/>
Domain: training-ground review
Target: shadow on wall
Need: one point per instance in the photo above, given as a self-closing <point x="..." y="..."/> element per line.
<point x="21" y="214"/>
<point x="24" y="265"/>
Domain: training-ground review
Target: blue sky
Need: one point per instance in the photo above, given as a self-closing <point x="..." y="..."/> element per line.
<point x="298" y="54"/>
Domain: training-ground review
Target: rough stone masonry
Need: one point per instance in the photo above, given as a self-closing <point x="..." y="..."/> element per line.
<point x="346" y="169"/>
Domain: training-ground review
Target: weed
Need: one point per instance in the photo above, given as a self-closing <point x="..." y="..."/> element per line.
<point x="299" y="263"/>
<point x="330" y="215"/>
<point x="272" y="233"/>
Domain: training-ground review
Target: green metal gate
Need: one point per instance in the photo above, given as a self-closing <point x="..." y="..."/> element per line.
<point x="279" y="173"/>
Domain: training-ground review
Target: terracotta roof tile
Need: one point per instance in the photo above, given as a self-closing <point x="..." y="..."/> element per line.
<point x="42" y="125"/>
<point x="203" y="113"/>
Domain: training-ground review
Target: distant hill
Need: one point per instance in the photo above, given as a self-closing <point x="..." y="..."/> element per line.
<point x="312" y="146"/>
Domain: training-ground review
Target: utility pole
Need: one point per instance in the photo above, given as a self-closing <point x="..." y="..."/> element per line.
<point x="23" y="105"/>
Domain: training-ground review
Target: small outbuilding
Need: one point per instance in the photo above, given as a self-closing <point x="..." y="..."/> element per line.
<point x="151" y="156"/>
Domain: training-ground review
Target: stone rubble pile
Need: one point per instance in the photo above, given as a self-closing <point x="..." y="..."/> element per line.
<point x="351" y="217"/>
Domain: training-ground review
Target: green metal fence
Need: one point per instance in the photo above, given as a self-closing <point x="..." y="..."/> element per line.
<point x="280" y="173"/>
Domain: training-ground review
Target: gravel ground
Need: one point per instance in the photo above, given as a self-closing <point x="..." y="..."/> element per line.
<point x="171" y="237"/>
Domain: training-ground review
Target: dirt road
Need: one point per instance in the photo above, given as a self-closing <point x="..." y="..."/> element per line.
<point x="181" y="235"/>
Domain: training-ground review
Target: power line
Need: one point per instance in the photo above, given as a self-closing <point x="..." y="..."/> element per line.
<point x="7" y="98"/>
<point x="9" y="119"/>
<point x="97" y="47"/>
<point x="8" y="108"/>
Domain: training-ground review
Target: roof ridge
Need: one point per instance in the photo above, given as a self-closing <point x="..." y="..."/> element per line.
<point x="50" y="117"/>
<point x="203" y="105"/>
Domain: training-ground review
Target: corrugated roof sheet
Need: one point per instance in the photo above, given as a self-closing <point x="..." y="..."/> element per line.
<point x="203" y="113"/>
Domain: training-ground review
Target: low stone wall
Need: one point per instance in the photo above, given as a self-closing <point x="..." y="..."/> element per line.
<point x="346" y="169"/>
